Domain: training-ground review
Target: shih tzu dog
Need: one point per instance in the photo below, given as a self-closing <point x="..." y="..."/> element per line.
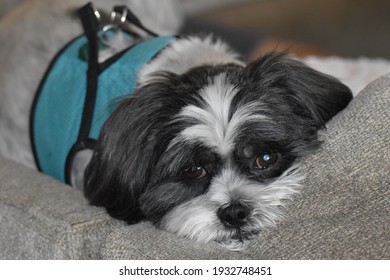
<point x="207" y="147"/>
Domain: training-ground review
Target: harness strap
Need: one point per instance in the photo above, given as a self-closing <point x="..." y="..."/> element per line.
<point x="90" y="19"/>
<point x="90" y="25"/>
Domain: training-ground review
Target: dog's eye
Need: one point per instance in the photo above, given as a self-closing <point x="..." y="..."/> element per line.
<point x="266" y="160"/>
<point x="195" y="172"/>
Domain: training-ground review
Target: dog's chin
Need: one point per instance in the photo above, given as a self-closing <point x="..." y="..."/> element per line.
<point x="234" y="239"/>
<point x="234" y="244"/>
<point x="240" y="241"/>
<point x="210" y="229"/>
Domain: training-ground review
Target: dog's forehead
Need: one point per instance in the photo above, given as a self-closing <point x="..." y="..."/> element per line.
<point x="216" y="120"/>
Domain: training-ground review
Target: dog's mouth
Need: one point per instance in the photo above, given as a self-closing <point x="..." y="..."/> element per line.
<point x="239" y="240"/>
<point x="234" y="244"/>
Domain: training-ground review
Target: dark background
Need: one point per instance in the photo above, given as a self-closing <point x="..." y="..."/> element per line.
<point x="349" y="28"/>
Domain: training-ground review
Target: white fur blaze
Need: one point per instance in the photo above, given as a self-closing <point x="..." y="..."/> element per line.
<point x="215" y="127"/>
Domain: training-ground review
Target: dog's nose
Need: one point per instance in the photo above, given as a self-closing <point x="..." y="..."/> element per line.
<point x="234" y="215"/>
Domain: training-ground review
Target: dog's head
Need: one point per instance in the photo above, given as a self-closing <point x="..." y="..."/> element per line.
<point x="210" y="154"/>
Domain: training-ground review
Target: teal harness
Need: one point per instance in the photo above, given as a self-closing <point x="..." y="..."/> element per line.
<point x="77" y="96"/>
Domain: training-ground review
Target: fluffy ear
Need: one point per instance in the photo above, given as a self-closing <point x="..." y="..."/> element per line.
<point x="314" y="95"/>
<point x="126" y="153"/>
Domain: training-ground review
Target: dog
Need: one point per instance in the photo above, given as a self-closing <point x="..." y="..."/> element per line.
<point x="207" y="147"/>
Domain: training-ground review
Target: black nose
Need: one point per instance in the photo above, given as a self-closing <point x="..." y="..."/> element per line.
<point x="234" y="215"/>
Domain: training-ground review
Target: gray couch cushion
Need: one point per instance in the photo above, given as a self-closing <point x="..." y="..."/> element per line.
<point x="343" y="212"/>
<point x="144" y="241"/>
<point x="43" y="219"/>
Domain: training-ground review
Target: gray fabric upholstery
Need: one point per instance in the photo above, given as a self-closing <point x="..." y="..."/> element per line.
<point x="343" y="212"/>
<point x="41" y="219"/>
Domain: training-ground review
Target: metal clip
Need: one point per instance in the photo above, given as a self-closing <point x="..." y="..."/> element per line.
<point x="116" y="21"/>
<point x="97" y="14"/>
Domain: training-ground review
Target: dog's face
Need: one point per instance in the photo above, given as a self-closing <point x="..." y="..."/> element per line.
<point x="211" y="154"/>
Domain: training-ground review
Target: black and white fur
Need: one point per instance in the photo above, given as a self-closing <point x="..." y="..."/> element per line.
<point x="183" y="152"/>
<point x="208" y="147"/>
